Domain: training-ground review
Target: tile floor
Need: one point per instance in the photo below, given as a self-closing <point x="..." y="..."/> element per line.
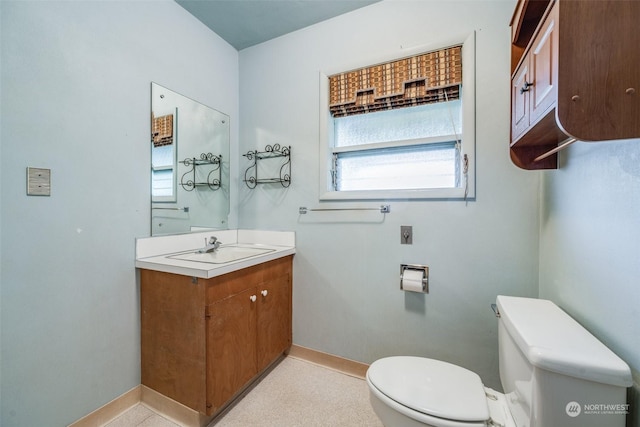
<point x="296" y="393"/>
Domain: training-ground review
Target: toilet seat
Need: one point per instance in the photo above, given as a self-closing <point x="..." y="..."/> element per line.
<point x="431" y="391"/>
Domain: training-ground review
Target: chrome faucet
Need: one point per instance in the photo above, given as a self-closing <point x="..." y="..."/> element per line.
<point x="210" y="245"/>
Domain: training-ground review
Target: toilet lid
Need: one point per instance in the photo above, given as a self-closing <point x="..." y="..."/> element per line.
<point x="431" y="387"/>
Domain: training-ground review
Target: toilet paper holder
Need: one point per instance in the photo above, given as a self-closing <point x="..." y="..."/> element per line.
<point x="413" y="267"/>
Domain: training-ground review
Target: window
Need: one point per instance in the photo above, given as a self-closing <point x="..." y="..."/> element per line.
<point x="162" y="173"/>
<point x="400" y="149"/>
<point x="401" y="129"/>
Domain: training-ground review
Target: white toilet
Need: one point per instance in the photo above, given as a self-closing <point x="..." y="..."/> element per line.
<point x="553" y="371"/>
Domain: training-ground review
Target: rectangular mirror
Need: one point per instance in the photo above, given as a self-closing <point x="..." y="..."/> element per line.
<point x="189" y="164"/>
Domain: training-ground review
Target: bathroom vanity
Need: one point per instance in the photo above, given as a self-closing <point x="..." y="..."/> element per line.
<point x="208" y="330"/>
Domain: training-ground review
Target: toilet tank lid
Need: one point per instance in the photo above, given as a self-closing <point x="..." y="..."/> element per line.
<point x="552" y="340"/>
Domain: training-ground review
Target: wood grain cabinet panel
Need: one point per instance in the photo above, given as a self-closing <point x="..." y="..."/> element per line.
<point x="544" y="69"/>
<point x="599" y="93"/>
<point x="173" y="343"/>
<point x="205" y="340"/>
<point x="231" y="346"/>
<point x="520" y="101"/>
<point x="274" y="319"/>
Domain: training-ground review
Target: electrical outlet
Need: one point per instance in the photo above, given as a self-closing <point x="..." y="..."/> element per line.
<point x="38" y="182"/>
<point x="406" y="235"/>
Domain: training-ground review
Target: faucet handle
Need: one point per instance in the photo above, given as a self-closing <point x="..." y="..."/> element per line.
<point x="212" y="240"/>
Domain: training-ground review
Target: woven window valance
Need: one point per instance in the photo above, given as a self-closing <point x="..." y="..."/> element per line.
<point x="421" y="79"/>
<point x="162" y="130"/>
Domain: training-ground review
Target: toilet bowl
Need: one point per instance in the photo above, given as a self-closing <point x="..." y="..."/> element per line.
<point x="408" y="391"/>
<point x="550" y="366"/>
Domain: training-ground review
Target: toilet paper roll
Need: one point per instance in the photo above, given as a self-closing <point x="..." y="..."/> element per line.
<point x="412" y="280"/>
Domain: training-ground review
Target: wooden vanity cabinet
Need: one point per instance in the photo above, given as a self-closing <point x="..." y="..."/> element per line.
<point x="206" y="340"/>
<point x="575" y="75"/>
<point x="247" y="328"/>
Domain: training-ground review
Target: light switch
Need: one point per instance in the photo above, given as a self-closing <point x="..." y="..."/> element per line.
<point x="406" y="235"/>
<point x="38" y="182"/>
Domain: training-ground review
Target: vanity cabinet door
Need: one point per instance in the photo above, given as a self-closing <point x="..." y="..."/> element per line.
<point x="274" y="319"/>
<point x="231" y="347"/>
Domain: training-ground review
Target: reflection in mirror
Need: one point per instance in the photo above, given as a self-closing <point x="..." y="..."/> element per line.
<point x="163" y="157"/>
<point x="189" y="164"/>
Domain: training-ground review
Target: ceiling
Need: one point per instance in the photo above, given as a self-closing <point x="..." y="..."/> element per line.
<point x="244" y="23"/>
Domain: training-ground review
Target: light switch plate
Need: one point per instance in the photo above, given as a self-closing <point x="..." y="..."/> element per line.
<point x="38" y="182"/>
<point x="406" y="235"/>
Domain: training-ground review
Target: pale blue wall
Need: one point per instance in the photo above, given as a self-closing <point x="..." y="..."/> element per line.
<point x="346" y="280"/>
<point x="590" y="243"/>
<point x="76" y="99"/>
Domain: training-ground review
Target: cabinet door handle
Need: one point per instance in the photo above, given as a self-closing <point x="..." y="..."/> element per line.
<point x="526" y="87"/>
<point x="264" y="293"/>
<point x="253" y="298"/>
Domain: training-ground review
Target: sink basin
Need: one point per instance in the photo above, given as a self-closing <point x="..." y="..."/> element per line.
<point x="223" y="254"/>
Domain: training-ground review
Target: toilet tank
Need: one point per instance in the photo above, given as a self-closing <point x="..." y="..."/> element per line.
<point x="554" y="372"/>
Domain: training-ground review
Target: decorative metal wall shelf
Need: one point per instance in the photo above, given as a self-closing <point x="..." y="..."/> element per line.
<point x="270" y="152"/>
<point x="188" y="180"/>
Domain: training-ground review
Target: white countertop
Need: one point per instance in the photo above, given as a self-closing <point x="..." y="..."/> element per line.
<point x="152" y="253"/>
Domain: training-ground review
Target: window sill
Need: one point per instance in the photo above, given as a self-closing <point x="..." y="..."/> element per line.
<point x="374" y="195"/>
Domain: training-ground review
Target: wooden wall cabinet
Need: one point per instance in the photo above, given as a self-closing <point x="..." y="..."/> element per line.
<point x="575" y="76"/>
<point x="533" y="85"/>
<point x="206" y="340"/>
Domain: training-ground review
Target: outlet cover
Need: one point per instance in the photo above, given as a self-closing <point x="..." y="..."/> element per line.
<point x="38" y="182"/>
